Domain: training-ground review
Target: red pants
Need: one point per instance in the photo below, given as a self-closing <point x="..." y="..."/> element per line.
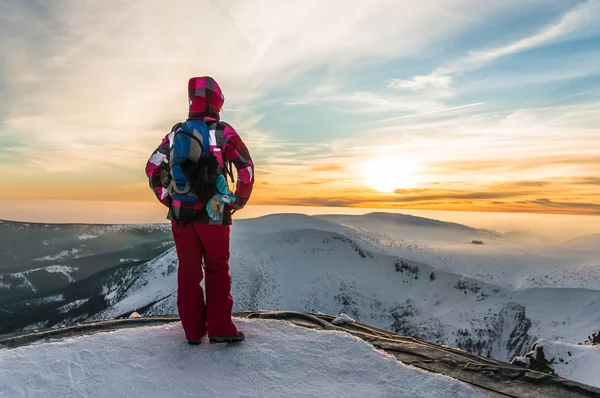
<point x="193" y="242"/>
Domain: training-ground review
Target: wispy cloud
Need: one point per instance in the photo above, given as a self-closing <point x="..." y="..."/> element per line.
<point x="437" y="84"/>
<point x="453" y="108"/>
<point x="367" y="102"/>
<point x="104" y="71"/>
<point x="581" y="20"/>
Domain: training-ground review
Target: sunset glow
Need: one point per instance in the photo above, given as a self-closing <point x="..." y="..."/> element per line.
<point x="387" y="175"/>
<point x="431" y="104"/>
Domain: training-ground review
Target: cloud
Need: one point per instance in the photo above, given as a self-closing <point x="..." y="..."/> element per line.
<point x="327" y="167"/>
<point x="587" y="181"/>
<point x="533" y="183"/>
<point x="90" y="88"/>
<point x="318" y="181"/>
<point x="447" y="196"/>
<point x="108" y="72"/>
<point x="367" y="102"/>
<point x="452" y="108"/>
<point x="438" y="84"/>
<point x="422" y="82"/>
<point x="580" y="21"/>
<point x="593" y="208"/>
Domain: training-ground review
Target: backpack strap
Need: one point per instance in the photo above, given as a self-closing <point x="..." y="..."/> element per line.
<point x="205" y="141"/>
<point x="228" y="170"/>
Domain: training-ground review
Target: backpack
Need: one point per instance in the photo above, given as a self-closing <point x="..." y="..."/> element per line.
<point x="201" y="167"/>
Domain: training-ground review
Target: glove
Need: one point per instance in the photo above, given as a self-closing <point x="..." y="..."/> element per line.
<point x="226" y="195"/>
<point x="228" y="198"/>
<point x="214" y="207"/>
<point x="222" y="184"/>
<point x="216" y="204"/>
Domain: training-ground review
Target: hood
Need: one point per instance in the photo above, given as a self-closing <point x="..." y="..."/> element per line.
<point x="205" y="97"/>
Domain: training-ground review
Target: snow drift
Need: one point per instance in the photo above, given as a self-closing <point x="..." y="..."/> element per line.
<point x="278" y="359"/>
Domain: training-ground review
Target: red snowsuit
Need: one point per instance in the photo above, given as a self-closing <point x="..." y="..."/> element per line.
<point x="196" y="236"/>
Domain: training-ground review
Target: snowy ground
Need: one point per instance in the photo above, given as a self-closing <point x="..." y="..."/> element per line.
<point x="277" y="360"/>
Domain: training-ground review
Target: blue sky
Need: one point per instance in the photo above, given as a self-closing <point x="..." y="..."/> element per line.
<point x="465" y="104"/>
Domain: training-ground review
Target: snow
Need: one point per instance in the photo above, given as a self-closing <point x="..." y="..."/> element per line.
<point x="343" y="318"/>
<point x="446" y="247"/>
<point x="449" y="292"/>
<point x="575" y="362"/>
<point x="128" y="260"/>
<point x="72" y="305"/>
<point x="160" y="281"/>
<point x="62" y="269"/>
<point x="32" y="327"/>
<point x="46" y="300"/>
<point x="86" y="237"/>
<point x="146" y="227"/>
<point x="25" y="282"/>
<point x="60" y="256"/>
<point x="276" y="360"/>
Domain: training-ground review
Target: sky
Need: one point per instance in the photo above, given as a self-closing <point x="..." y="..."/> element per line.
<point x="430" y="105"/>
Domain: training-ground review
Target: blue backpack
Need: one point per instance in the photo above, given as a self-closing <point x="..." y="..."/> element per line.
<point x="193" y="167"/>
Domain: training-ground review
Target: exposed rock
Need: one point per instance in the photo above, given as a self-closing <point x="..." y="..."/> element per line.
<point x="465" y="285"/>
<point x="403" y="316"/>
<point x="595" y="338"/>
<point x="505" y="335"/>
<point x="402" y="266"/>
<point x="535" y="360"/>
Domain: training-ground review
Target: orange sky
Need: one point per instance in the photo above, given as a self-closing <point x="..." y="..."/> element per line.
<point x="362" y="107"/>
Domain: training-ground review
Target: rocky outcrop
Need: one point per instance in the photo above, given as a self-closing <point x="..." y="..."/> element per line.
<point x="502" y="336"/>
<point x="594" y="339"/>
<point x="535" y="360"/>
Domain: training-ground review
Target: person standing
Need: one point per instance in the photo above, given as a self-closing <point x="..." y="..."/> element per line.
<point x="200" y="223"/>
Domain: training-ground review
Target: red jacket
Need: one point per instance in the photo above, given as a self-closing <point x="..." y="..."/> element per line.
<point x="225" y="145"/>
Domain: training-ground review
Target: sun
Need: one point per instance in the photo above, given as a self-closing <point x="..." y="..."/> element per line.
<point x="390" y="174"/>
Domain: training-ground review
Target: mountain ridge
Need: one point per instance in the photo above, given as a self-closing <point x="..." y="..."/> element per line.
<point x="414" y="287"/>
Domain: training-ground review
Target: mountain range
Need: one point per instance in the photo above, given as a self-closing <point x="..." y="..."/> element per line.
<point x="479" y="290"/>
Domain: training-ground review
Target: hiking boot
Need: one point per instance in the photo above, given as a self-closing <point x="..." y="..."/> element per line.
<point x="227" y="339"/>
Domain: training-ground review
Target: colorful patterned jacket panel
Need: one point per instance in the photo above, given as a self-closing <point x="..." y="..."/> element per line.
<point x="225" y="145"/>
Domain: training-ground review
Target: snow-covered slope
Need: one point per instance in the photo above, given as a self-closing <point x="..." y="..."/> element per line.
<point x="412" y="276"/>
<point x="497" y="261"/>
<point x="277" y="360"/>
<point x="38" y="259"/>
